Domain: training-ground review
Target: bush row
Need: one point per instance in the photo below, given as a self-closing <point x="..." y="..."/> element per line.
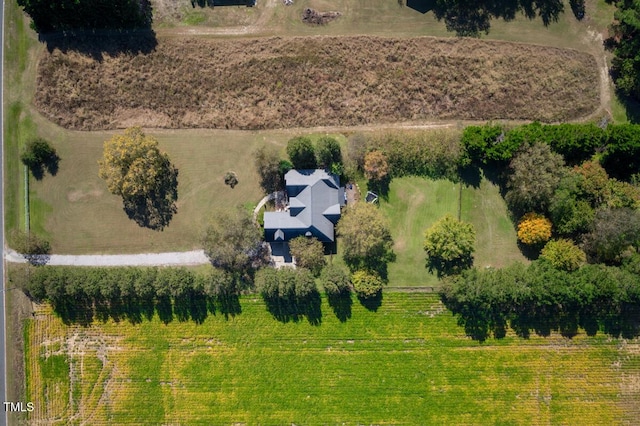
<point x="433" y="154"/>
<point x="542" y="298"/>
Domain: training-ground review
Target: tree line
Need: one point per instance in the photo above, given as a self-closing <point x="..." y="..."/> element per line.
<point x="82" y="294"/>
<point x="542" y="299"/>
<point x="497" y="144"/>
<point x="625" y="44"/>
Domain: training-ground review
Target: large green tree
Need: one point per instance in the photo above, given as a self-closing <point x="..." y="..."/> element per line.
<point x="615" y="234"/>
<point x="365" y="237"/>
<point x="233" y="243"/>
<point x="535" y="174"/>
<point x="376" y="166"/>
<point x="302" y="153"/>
<point x="335" y="280"/>
<point x="328" y="154"/>
<point x="135" y="169"/>
<point x="449" y="245"/>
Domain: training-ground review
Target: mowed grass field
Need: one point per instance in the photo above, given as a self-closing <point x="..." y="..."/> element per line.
<point x="407" y="363"/>
<point x="379" y="17"/>
<point x="415" y="203"/>
<point x="77" y="213"/>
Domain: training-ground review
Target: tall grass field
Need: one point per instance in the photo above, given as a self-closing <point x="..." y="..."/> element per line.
<point x="407" y="363"/>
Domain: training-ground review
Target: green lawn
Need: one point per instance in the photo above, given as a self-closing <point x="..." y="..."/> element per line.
<point x="407" y="363"/>
<point x="415" y="203"/>
<point x="496" y="239"/>
<point x="77" y="213"/>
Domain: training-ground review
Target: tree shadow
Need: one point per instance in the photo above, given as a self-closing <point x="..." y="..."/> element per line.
<point x="470" y="19"/>
<point x="531" y="252"/>
<point x="100" y="43"/>
<point x="164" y="309"/>
<point x="190" y="306"/>
<point x="422" y="6"/>
<point x="371" y="303"/>
<point x="471" y="176"/>
<point x="578" y="8"/>
<point x="228" y="305"/>
<point x="631" y="108"/>
<point x="76" y="310"/>
<point x="341" y="304"/>
<point x="293" y="309"/>
<point x="380" y="187"/>
<point x="155" y="209"/>
<point x="444" y="268"/>
<point x="50" y="165"/>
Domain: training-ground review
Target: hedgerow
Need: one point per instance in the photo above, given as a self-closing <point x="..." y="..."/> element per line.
<point x="496" y="143"/>
<point x="434" y="154"/>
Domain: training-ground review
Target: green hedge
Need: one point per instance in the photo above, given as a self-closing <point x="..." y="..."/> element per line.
<point x="495" y="143"/>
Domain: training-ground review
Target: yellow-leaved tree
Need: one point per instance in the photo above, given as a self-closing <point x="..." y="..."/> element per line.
<point x="534" y="229"/>
<point x="134" y="168"/>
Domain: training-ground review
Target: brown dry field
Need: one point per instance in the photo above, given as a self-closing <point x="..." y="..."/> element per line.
<point x="267" y="83"/>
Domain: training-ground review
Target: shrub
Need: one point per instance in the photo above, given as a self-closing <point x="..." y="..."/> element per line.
<point x="534" y="229"/>
<point x="29" y="244"/>
<point x="366" y="284"/>
<point x="494" y="143"/>
<point x="563" y="254"/>
<point x="231" y="179"/>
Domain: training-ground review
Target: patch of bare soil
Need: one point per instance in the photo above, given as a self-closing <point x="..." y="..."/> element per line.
<point x="315" y="81"/>
<point x="311" y="16"/>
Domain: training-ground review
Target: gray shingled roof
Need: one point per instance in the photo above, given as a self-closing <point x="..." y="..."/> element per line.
<point x="314" y="206"/>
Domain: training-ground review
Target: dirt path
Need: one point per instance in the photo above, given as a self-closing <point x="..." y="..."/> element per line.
<point x="255" y="28"/>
